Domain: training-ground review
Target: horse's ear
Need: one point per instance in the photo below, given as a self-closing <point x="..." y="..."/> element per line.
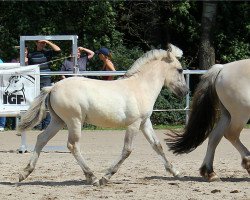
<point x="168" y="47"/>
<point x="169" y="57"/>
<point x="176" y="51"/>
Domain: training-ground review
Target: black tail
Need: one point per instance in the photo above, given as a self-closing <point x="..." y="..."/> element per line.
<point x="203" y="115"/>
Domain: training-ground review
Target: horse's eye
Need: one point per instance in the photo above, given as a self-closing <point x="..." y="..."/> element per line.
<point x="180" y="70"/>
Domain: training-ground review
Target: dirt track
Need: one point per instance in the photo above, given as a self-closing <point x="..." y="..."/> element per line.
<point x="142" y="176"/>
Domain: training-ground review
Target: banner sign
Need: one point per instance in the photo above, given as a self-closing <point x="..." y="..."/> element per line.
<point x="19" y="85"/>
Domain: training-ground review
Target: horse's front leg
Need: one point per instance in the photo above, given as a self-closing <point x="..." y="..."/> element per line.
<point x="126" y="151"/>
<point x="42" y="139"/>
<point x="150" y="135"/>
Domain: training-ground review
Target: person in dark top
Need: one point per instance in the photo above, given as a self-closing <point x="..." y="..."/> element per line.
<point x="105" y="56"/>
<point x="82" y="60"/>
<point x="42" y="56"/>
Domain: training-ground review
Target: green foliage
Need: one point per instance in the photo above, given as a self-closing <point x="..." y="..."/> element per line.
<point x="166" y="100"/>
<point x="236" y="51"/>
<point x="128" y="29"/>
<point x="232" y="33"/>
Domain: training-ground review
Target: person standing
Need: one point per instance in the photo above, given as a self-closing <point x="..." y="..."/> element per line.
<point x="82" y="60"/>
<point x="2" y="119"/>
<point x="42" y="56"/>
<point x="17" y="59"/>
<point x="105" y="56"/>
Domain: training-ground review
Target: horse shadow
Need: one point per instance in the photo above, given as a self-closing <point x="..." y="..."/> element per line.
<point x="196" y="179"/>
<point x="47" y="183"/>
<point x="84" y="182"/>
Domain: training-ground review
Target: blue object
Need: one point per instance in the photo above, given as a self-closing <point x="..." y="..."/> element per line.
<point x="103" y="51"/>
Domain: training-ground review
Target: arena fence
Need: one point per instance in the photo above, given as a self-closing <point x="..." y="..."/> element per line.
<point x="76" y="72"/>
<point x="23" y="147"/>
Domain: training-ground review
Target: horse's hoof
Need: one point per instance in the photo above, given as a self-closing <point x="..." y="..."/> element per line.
<point x="246" y="163"/>
<point x="103" y="181"/>
<point x="177" y="175"/>
<point x="213" y="177"/>
<point x="209" y="175"/>
<point x="21" y="177"/>
<point x="96" y="183"/>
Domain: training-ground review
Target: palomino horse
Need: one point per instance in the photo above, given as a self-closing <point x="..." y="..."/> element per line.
<point x="225" y="87"/>
<point x="127" y="102"/>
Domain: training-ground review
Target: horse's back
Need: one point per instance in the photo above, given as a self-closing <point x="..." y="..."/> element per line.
<point x="233" y="86"/>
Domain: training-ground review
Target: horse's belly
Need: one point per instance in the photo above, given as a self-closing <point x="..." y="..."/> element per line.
<point x="108" y="120"/>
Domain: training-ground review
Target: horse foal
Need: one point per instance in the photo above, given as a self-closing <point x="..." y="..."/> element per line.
<point x="127" y="102"/>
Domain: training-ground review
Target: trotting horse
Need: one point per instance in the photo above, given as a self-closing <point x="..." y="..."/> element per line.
<point x="127" y="102"/>
<point x="224" y="87"/>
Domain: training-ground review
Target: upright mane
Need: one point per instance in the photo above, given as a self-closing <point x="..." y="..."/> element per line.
<point x="152" y="55"/>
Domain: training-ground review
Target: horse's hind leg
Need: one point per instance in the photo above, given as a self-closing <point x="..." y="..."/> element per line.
<point x="246" y="163"/>
<point x="150" y="135"/>
<point x="215" y="136"/>
<point x="233" y="136"/>
<point x="245" y="154"/>
<point x="126" y="151"/>
<point x="55" y="125"/>
<point x="74" y="128"/>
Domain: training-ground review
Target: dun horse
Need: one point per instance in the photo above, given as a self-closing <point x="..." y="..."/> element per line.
<point x="127" y="102"/>
<point x="225" y="87"/>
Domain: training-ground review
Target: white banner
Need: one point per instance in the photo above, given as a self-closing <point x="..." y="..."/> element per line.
<point x="19" y="85"/>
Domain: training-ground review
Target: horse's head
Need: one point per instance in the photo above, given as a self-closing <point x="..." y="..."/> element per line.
<point x="15" y="85"/>
<point x="175" y="80"/>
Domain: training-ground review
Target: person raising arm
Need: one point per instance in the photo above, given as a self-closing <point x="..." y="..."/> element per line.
<point x="105" y="56"/>
<point x="82" y="60"/>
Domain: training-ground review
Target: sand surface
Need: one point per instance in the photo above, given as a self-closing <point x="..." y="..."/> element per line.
<point x="142" y="175"/>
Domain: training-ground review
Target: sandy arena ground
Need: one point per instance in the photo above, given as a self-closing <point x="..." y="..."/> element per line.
<point x="141" y="177"/>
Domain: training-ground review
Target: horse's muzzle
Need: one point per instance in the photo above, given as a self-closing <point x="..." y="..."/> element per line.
<point x="181" y="91"/>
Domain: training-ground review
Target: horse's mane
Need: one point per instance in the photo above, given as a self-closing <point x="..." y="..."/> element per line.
<point x="152" y="55"/>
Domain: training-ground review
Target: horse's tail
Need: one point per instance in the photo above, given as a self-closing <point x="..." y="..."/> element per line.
<point x="36" y="112"/>
<point x="203" y="115"/>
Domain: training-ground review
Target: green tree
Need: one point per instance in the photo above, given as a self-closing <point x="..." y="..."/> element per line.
<point x="130" y="28"/>
<point x="207" y="52"/>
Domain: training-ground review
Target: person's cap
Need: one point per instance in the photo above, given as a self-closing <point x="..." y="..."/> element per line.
<point x="103" y="51"/>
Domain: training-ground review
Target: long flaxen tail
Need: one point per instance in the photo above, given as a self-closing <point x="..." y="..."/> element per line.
<point x="36" y="112"/>
<point x="203" y="115"/>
